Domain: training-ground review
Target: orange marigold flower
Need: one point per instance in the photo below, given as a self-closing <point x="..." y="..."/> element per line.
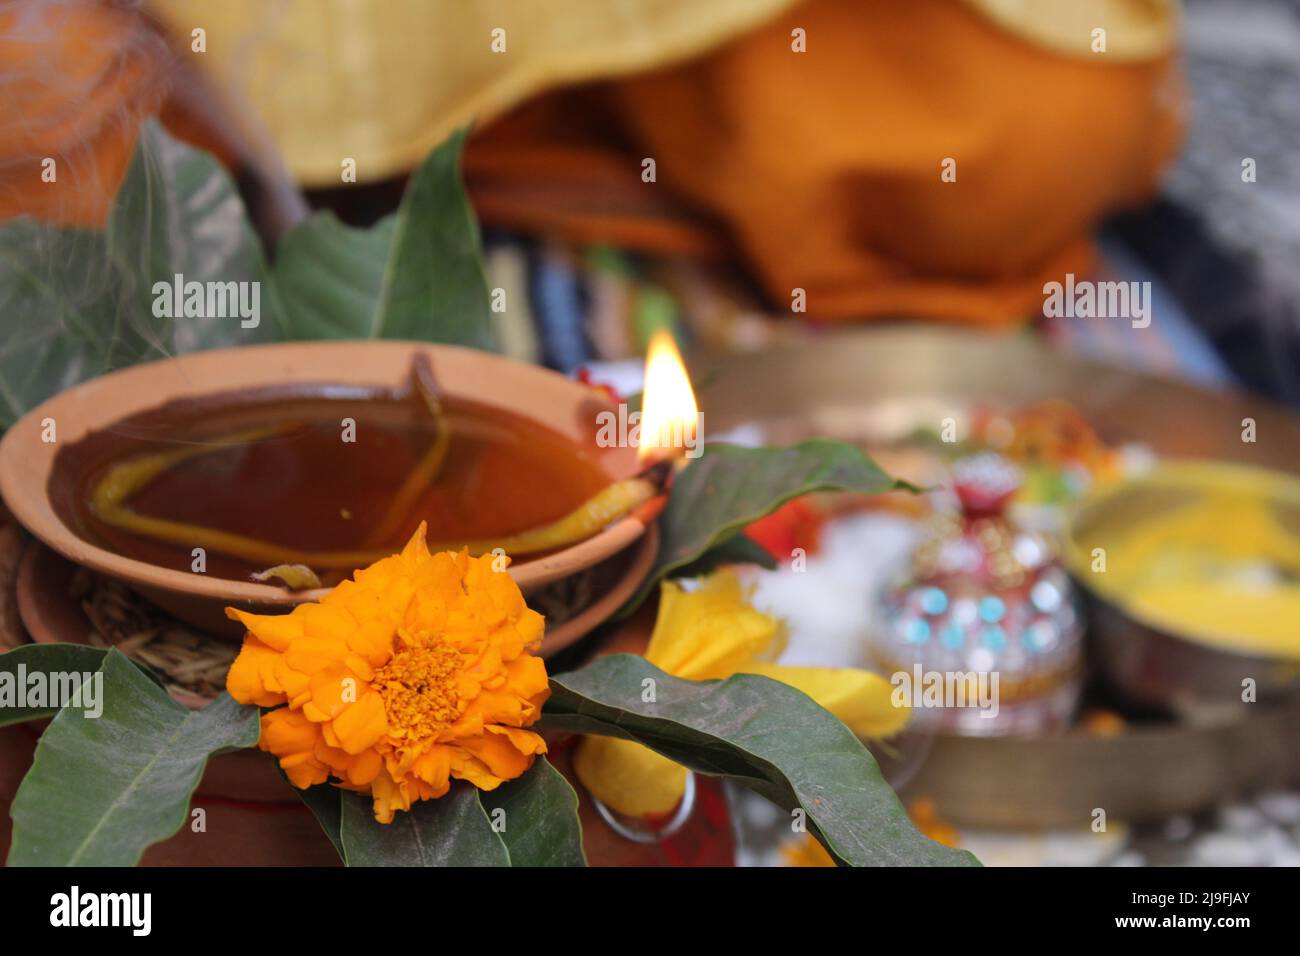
<point x="416" y="671"/>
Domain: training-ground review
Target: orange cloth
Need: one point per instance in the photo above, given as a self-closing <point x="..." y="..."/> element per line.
<point x="822" y="169"/>
<point x="78" y="80"/>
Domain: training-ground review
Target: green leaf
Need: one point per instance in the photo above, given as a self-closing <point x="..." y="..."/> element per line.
<point x="417" y="274"/>
<point x="453" y="830"/>
<point x="330" y="275"/>
<point x="19" y="664"/>
<point x="532" y="821"/>
<point x="738" y="549"/>
<point x="78" y="303"/>
<point x="58" y="296"/>
<point x="178" y="213"/>
<point x="103" y="789"/>
<point x="728" y="486"/>
<point x="767" y="736"/>
<point x="539" y="816"/>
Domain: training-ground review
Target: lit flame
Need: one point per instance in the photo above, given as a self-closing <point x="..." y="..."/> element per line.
<point x="669" y="415"/>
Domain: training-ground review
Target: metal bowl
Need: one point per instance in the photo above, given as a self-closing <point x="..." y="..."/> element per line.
<point x="1148" y="661"/>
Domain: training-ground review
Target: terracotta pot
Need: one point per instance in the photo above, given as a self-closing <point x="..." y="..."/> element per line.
<point x="38" y="483"/>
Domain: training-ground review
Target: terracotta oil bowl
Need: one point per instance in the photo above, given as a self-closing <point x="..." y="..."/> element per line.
<point x="32" y="477"/>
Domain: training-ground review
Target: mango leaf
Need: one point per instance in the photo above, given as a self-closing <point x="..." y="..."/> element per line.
<point x="57" y="662"/>
<point x="417" y="274"/>
<point x="765" y="735"/>
<point x="178" y="213"/>
<point x="78" y="303"/>
<point x="103" y="789"/>
<point x="538" y="816"/>
<point x="330" y="275"/>
<point x="740" y="548"/>
<point x="58" y="296"/>
<point x="532" y="821"/>
<point x="453" y="830"/>
<point x="729" y="486"/>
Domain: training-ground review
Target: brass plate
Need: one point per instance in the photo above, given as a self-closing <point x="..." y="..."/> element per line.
<point x="894" y="369"/>
<point x="888" y="376"/>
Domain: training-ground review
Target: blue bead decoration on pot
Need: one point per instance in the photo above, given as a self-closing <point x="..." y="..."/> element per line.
<point x="985" y="596"/>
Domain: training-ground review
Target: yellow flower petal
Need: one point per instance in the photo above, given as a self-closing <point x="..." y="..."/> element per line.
<point x="712" y="632"/>
<point x="252" y="678"/>
<point x="360" y="725"/>
<point x="364" y="768"/>
<point x="628" y="777"/>
<point x="287" y="732"/>
<point x="500" y="755"/>
<point x="273" y="630"/>
<point x="861" y="699"/>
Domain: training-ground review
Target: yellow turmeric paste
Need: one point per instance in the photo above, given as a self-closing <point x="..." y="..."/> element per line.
<point x="1207" y="552"/>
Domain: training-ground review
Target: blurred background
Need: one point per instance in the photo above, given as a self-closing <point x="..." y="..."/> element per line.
<point x="795" y="146"/>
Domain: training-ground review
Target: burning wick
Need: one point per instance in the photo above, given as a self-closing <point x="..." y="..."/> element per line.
<point x="671" y="423"/>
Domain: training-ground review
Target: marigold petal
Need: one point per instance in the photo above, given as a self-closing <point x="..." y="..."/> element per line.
<point x="332" y="757"/>
<point x="527" y="678"/>
<point x="387" y="797"/>
<point x="286" y="732"/>
<point x="525" y="741"/>
<point x="497" y="707"/>
<point x="295" y="683"/>
<point x="325" y="621"/>
<point x="332" y="690"/>
<point x="530" y="625"/>
<point x="252" y="677"/>
<point x="360" y="725"/>
<point x="273" y="630"/>
<point x="466" y="766"/>
<point x="434" y="767"/>
<point x="312" y="653"/>
<point x="303" y="772"/>
<point x="499" y="753"/>
<point x="314" y="713"/>
<point x="364" y="768"/>
<point x="417" y="549"/>
<point x="397" y="595"/>
<point x="427" y="613"/>
<point x="375" y="576"/>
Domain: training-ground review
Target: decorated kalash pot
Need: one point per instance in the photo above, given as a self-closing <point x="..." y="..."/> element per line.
<point x="982" y="635"/>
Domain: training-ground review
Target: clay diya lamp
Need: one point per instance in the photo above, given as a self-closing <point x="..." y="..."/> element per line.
<point x="215" y="479"/>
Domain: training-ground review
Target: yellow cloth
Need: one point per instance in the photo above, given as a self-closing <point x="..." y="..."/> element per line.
<point x="1135" y="29"/>
<point x="820" y="170"/>
<point x="384" y="81"/>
